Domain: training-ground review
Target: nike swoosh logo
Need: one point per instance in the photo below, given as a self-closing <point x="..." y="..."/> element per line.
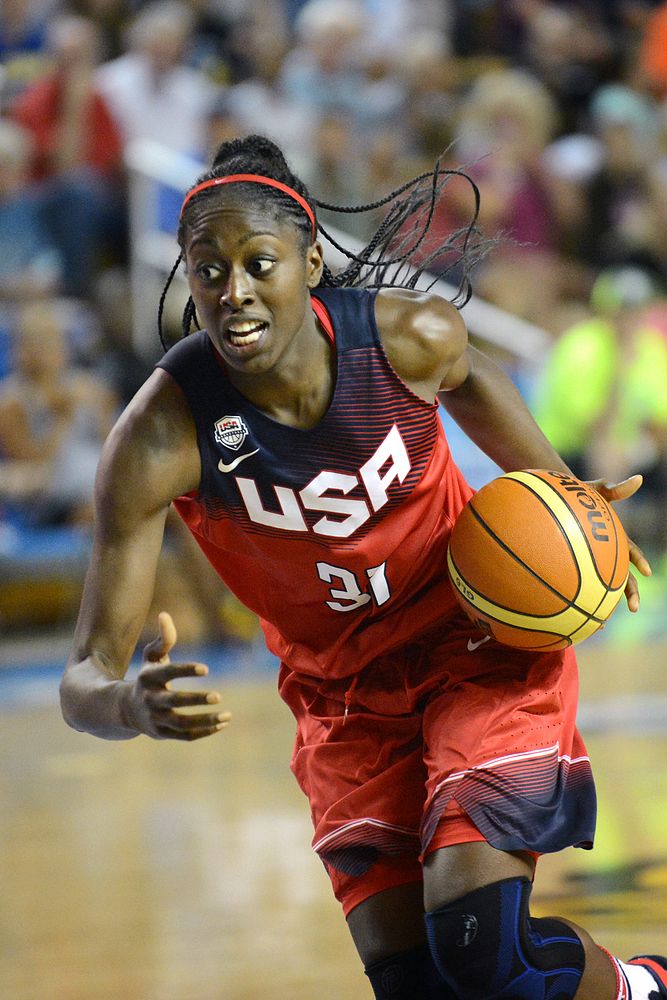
<point x="473" y="645"/>
<point x="237" y="461"/>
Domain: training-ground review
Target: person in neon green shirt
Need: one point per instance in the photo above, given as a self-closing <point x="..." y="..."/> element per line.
<point x="602" y="398"/>
<point x="604" y="383"/>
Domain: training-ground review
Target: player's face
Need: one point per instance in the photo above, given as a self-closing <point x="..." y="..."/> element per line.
<point x="250" y="279"/>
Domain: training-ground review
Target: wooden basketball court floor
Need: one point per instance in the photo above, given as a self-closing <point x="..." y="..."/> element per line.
<point x="169" y="871"/>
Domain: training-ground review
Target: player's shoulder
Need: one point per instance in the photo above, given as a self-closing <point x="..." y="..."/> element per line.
<point x="421" y="332"/>
<point x="158" y="409"/>
<point x="154" y="441"/>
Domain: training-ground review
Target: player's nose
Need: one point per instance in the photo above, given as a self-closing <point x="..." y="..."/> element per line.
<point x="238" y="290"/>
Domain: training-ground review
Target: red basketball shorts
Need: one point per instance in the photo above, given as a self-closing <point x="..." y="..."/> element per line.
<point x="448" y="740"/>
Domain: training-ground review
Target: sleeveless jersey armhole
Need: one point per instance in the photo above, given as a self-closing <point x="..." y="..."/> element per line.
<point x="324" y="318"/>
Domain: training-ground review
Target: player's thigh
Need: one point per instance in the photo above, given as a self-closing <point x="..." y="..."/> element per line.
<point x="389" y="922"/>
<point x="452" y="872"/>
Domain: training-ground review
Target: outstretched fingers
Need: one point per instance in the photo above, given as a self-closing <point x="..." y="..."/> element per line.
<point x="174" y="726"/>
<point x="166" y="712"/>
<point x="178" y="714"/>
<point x="638" y="559"/>
<point x="632" y="593"/>
<point x="160" y="674"/>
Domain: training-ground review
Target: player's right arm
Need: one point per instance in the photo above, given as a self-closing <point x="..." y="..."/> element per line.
<point x="150" y="457"/>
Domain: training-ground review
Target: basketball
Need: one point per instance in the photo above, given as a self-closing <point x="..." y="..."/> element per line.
<point x="538" y="559"/>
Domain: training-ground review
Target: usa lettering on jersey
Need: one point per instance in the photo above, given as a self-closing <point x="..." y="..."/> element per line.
<point x="390" y="462"/>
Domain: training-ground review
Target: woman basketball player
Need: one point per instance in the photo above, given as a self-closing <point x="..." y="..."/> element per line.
<point x="297" y="435"/>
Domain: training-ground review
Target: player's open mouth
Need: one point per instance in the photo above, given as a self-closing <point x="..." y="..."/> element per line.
<point x="245" y="333"/>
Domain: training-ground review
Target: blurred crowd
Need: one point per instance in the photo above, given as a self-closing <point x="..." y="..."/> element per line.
<point x="557" y="110"/>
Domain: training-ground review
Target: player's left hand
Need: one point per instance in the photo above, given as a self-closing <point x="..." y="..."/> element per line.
<point x="621" y="491"/>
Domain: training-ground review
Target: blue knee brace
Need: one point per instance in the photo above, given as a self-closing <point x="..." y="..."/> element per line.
<point x="487" y="947"/>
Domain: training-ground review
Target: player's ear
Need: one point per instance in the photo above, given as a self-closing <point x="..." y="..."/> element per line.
<point x="314" y="264"/>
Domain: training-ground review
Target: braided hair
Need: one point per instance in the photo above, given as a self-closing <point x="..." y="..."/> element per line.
<point x="398" y="254"/>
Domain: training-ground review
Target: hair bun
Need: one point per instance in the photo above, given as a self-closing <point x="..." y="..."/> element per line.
<point x="248" y="152"/>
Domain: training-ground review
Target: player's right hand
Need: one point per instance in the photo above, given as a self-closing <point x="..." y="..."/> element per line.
<point x="156" y="708"/>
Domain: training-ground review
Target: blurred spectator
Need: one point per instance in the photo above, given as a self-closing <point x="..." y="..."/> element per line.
<point x="569" y="164"/>
<point x="226" y="40"/>
<point x="570" y="48"/>
<point x="115" y="359"/>
<point x="393" y="155"/>
<point x="394" y="21"/>
<point x="653" y="53"/>
<point x="424" y="68"/>
<point x="501" y="128"/>
<point x="602" y="400"/>
<point x="70" y="122"/>
<point x="656" y="222"/>
<point x="22" y="27"/>
<point x="76" y="156"/>
<point x="322" y="69"/>
<point x="617" y="221"/>
<point x="326" y="71"/>
<point x="22" y="45"/>
<point x="484" y="27"/>
<point x="260" y="104"/>
<point x="505" y="123"/>
<point x="221" y="125"/>
<point x="152" y="92"/>
<point x="336" y="173"/>
<point x="53" y="420"/>
<point x="111" y="17"/>
<point x="32" y="266"/>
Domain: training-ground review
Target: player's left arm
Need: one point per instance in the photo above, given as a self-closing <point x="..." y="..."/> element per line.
<point x="426" y="341"/>
<point x="486" y="404"/>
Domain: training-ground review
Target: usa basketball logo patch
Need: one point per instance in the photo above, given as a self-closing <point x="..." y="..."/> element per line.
<point x="231" y="432"/>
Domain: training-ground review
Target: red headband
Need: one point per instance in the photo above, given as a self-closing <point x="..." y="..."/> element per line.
<point x="256" y="179"/>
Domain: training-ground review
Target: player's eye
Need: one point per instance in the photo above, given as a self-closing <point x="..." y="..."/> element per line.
<point x="208" y="272"/>
<point x="261" y="265"/>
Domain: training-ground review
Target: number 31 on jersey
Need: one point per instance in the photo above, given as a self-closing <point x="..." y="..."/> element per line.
<point x="350" y="591"/>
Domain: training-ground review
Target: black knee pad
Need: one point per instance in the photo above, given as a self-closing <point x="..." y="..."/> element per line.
<point x="487" y="947"/>
<point x="409" y="975"/>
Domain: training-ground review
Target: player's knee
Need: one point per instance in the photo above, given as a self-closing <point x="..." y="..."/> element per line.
<point x="407" y="975"/>
<point x="486" y="946"/>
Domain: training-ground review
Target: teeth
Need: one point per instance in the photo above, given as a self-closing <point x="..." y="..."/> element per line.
<point x="245" y="332"/>
<point x="239" y="341"/>
<point x="245" y="327"/>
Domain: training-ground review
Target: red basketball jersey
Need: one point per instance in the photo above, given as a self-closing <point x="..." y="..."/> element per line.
<point x="335" y="536"/>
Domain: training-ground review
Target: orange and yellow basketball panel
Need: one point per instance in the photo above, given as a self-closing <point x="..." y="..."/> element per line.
<point x="538" y="559"/>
